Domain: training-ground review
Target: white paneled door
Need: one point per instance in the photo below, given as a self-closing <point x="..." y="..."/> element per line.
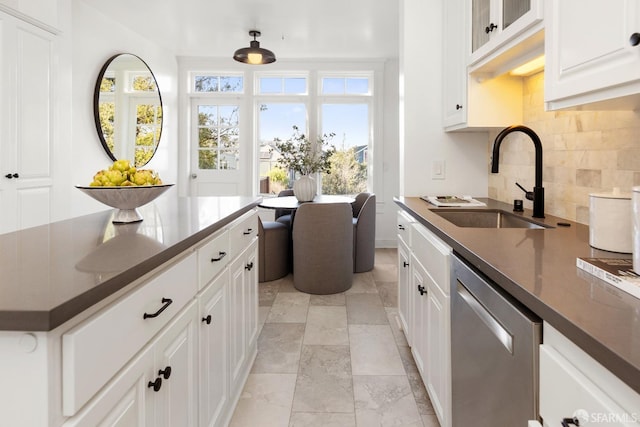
<point x="26" y="135"/>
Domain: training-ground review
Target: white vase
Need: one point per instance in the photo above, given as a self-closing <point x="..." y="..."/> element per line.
<point x="304" y="188"/>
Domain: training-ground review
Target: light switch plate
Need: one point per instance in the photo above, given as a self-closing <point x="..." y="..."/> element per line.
<point x="437" y="169"/>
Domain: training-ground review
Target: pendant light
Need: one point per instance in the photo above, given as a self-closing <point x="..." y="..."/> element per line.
<point x="254" y="54"/>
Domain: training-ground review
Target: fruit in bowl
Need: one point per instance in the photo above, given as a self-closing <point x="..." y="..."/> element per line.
<point x="125" y="188"/>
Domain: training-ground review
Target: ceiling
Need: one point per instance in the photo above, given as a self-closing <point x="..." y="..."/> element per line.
<point x="290" y="28"/>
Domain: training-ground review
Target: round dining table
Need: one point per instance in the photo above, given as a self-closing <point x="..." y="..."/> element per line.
<point x="290" y="202"/>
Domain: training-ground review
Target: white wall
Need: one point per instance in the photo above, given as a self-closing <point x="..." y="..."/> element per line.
<point x="94" y="39"/>
<point x="422" y="139"/>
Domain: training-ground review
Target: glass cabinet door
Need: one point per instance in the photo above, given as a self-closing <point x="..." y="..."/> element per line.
<point x="481" y="19"/>
<point x="512" y="10"/>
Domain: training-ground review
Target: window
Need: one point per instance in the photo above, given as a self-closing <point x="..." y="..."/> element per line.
<point x="218" y="137"/>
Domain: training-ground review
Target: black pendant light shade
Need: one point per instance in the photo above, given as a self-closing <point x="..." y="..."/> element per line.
<point x="254" y="54"/>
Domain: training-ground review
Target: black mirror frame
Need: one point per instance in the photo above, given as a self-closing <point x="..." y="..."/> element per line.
<point x="96" y="103"/>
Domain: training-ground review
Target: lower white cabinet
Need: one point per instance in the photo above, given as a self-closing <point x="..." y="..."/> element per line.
<point x="424" y="311"/>
<point x="213" y="348"/>
<point x="156" y="388"/>
<point x="574" y="385"/>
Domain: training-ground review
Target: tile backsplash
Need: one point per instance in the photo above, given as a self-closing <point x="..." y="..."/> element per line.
<point x="583" y="152"/>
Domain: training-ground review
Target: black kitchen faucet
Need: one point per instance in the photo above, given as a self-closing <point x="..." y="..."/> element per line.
<point x="537" y="195"/>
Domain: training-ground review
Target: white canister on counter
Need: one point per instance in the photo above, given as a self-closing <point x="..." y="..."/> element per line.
<point x="635" y="214"/>
<point x="610" y="225"/>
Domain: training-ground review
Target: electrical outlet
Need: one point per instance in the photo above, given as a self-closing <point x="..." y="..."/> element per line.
<point x="437" y="169"/>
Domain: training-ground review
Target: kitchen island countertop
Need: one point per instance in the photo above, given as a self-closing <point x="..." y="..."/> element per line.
<point x="53" y="272"/>
<point x="538" y="268"/>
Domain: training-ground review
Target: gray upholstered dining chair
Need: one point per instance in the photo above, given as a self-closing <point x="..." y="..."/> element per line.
<point x="284" y="215"/>
<point x="323" y="248"/>
<point x="364" y="232"/>
<point x="273" y="250"/>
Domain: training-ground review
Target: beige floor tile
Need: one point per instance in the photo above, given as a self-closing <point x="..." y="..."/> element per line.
<point x="385" y="273"/>
<point x="263" y="312"/>
<point x="385" y="401"/>
<point x="386" y="256"/>
<point x="279" y="347"/>
<point x="286" y="284"/>
<point x="363" y="283"/>
<point x="407" y="359"/>
<point x="420" y="394"/>
<point x="267" y="292"/>
<point x="388" y="292"/>
<point x="324" y="380"/>
<point x="326" y="325"/>
<point x="265" y="401"/>
<point x="430" y="421"/>
<point x="394" y="322"/>
<point x="366" y="309"/>
<point x="319" y="419"/>
<point x="289" y="307"/>
<point x="331" y="299"/>
<point x="374" y="351"/>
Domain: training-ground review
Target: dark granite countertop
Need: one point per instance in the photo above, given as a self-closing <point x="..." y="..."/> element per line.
<point x="538" y="268"/>
<point x="51" y="273"/>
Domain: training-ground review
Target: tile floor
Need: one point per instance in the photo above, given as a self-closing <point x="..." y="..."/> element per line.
<point x="334" y="360"/>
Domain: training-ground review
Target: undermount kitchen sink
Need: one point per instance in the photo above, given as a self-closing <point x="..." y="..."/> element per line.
<point x="487" y="218"/>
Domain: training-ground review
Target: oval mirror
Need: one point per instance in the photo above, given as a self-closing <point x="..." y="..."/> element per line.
<point x="127" y="109"/>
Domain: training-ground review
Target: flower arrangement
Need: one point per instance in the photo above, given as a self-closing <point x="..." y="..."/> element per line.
<point x="302" y="156"/>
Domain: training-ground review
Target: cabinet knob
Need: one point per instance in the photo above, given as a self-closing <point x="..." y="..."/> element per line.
<point x="400" y="227"/>
<point x="634" y="39"/>
<point x="422" y="290"/>
<point x="249" y="230"/>
<point x="12" y="175"/>
<point x="166" y="372"/>
<point x="405" y="264"/>
<point x="458" y="107"/>
<point x="490" y="28"/>
<point x="207" y="319"/>
<point x="567" y="421"/>
<point x="248" y="266"/>
<point x="155" y="384"/>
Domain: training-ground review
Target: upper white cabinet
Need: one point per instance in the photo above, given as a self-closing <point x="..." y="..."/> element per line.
<point x="43" y="13"/>
<point x="27" y="79"/>
<point x="497" y="23"/>
<point x="592" y="54"/>
<point x="473" y="101"/>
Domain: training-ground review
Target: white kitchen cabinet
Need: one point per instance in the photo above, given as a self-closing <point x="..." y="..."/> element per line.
<point x="572" y="384"/>
<point x="243" y="315"/>
<point x="473" y="101"/>
<point x="424" y="308"/>
<point x="403" y="222"/>
<point x="592" y="54"/>
<point x="43" y="13"/>
<point x="28" y="86"/>
<point x="497" y="25"/>
<point x="156" y="388"/>
<point x="213" y="359"/>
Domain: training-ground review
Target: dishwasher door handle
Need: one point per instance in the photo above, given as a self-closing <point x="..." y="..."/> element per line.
<point x="494" y="326"/>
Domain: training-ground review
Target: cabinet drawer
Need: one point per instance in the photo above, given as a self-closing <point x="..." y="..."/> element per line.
<point x="242" y="232"/>
<point x="433" y="253"/>
<point x="565" y="392"/>
<point x="212" y="258"/>
<point x="95" y="350"/>
<point x="404" y="221"/>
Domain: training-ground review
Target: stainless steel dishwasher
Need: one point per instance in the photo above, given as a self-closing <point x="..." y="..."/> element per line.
<point x="494" y="353"/>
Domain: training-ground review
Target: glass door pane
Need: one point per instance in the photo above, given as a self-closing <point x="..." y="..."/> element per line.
<point x="512" y="10"/>
<point x="481" y="18"/>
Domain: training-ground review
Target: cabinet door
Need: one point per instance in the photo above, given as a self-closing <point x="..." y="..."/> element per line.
<point x="251" y="297"/>
<point x="439" y="357"/>
<point x="213" y="342"/>
<point x="175" y="366"/>
<point x="589" y="49"/>
<point x="419" y="296"/>
<point x="126" y="401"/>
<point x="512" y="10"/>
<point x="404" y="306"/>
<point x="481" y="23"/>
<point x="26" y="125"/>
<point x="454" y="57"/>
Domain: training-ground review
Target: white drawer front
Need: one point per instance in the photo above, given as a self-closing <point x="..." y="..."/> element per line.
<point x="212" y="258"/>
<point x="434" y="255"/>
<point x="565" y="392"/>
<point x="403" y="222"/>
<point x="242" y="232"/>
<point x="95" y="350"/>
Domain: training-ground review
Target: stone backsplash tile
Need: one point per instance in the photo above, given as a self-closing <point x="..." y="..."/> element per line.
<point x="584" y="152"/>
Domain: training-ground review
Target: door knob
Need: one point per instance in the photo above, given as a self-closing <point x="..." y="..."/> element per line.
<point x="166" y="372"/>
<point x="155" y="385"/>
<point x="194" y="175"/>
<point x="634" y="39"/>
